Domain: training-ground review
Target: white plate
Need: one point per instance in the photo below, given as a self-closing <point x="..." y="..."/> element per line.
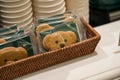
<point x="9" y="0"/>
<point x="16" y="9"/>
<point x="14" y="15"/>
<point x="22" y="24"/>
<point x="14" y="4"/>
<point x="44" y="0"/>
<point x="47" y="4"/>
<point x="44" y="15"/>
<point x="51" y="8"/>
<point x="26" y="24"/>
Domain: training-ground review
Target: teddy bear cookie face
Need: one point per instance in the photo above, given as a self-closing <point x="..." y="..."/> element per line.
<point x="59" y="39"/>
<point x="11" y="54"/>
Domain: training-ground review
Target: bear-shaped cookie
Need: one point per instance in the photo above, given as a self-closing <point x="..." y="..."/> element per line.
<point x="59" y="39"/>
<point x="11" y="54"/>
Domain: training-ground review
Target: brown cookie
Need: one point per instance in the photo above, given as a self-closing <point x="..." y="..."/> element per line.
<point x="43" y="27"/>
<point x="11" y="54"/>
<point x="68" y="18"/>
<point x="59" y="39"/>
<point x="2" y="40"/>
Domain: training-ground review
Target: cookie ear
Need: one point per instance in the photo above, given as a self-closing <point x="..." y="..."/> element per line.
<point x="72" y="35"/>
<point x="43" y="27"/>
<point x="22" y="51"/>
<point x="46" y="40"/>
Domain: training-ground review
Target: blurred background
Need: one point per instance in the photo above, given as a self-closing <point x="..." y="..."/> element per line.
<point x="23" y="12"/>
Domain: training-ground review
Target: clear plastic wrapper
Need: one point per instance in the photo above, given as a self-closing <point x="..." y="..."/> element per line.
<point x="62" y="19"/>
<point x="19" y="38"/>
<point x="7" y="33"/>
<point x="66" y="17"/>
<point x="31" y="34"/>
<point x="65" y="28"/>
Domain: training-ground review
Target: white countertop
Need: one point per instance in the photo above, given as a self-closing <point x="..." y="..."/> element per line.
<point x="103" y="62"/>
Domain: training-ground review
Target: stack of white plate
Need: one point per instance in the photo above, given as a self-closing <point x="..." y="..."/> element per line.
<point x="16" y="12"/>
<point x="46" y="8"/>
<point x="81" y="7"/>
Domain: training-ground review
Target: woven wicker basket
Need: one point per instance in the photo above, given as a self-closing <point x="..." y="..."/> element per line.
<point x="40" y="61"/>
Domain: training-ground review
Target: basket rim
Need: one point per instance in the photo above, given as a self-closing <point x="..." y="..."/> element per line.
<point x="90" y="27"/>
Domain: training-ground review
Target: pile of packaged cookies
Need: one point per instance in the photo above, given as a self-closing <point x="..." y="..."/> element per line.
<point x="48" y="34"/>
<point x="16" y="44"/>
<point x="59" y="31"/>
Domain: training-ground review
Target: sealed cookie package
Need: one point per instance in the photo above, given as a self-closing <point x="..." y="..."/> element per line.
<point x="57" y="19"/>
<point x="62" y="35"/>
<point x="18" y="39"/>
<point x="66" y="17"/>
<point x="7" y="30"/>
<point x="34" y="43"/>
<point x="81" y="28"/>
<point x="17" y="46"/>
<point x="41" y="28"/>
<point x="7" y="33"/>
<point x="46" y="24"/>
<point x="24" y="41"/>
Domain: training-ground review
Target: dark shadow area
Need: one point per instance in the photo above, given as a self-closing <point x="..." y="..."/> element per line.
<point x="103" y="11"/>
